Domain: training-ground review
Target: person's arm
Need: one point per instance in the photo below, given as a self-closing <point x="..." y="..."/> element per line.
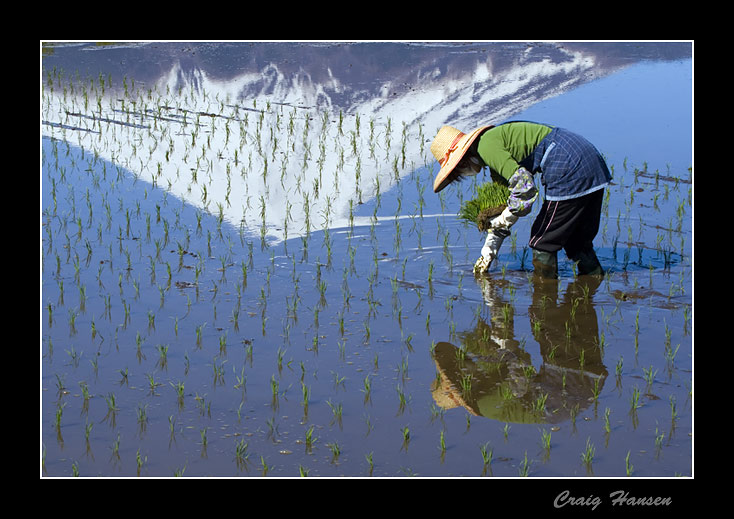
<point x="523" y="194"/>
<point x="497" y="148"/>
<point x="490" y="250"/>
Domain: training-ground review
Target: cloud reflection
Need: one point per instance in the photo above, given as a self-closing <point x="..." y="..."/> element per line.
<point x="282" y="139"/>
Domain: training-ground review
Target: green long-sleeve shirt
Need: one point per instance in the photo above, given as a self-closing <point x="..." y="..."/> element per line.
<point x="503" y="147"/>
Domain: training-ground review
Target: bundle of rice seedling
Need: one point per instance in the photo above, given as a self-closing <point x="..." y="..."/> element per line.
<point x="490" y="201"/>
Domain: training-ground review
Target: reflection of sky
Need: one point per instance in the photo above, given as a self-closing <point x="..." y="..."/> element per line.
<point x="461" y="86"/>
<point x="642" y="113"/>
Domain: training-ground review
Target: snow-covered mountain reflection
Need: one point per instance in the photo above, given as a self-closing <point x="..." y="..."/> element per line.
<point x="283" y="139"/>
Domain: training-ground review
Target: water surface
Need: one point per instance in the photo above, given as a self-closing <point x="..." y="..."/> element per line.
<point x="255" y="223"/>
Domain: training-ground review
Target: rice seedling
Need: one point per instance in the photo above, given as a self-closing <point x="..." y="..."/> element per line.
<point x="265" y="468"/>
<point x="406" y="437"/>
<point x="628" y="467"/>
<point x="116" y="448"/>
<point x="670" y="354"/>
<point x="367" y="388"/>
<point x="491" y="199"/>
<point x="338" y="379"/>
<point x="403" y="399"/>
<point x="274" y="389"/>
<point x="649" y="375"/>
<point x="139" y="461"/>
<point x="524" y="469"/>
<point x="85" y="392"/>
<point x="539" y="404"/>
<point x="111" y="403"/>
<point x="335" y="451"/>
<point x="179" y="388"/>
<point x="336" y="411"/>
<point x="487" y="455"/>
<point x="74" y="356"/>
<point x="152" y="384"/>
<point x="305" y="393"/>
<point x="659" y="437"/>
<point x="163" y="355"/>
<point x="142" y="413"/>
<point x="309" y="439"/>
<point x="587" y="456"/>
<point x="370" y="462"/>
<point x="673" y="409"/>
<point x="241" y="453"/>
<point x="172" y="427"/>
<point x="545" y="437"/>
<point x="87" y="432"/>
<point x="59" y="413"/>
<point x="204" y="406"/>
<point x="442" y="443"/>
<point x="466" y="383"/>
<point x="596" y="390"/>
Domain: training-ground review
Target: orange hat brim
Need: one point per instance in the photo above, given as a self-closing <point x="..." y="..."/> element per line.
<point x="453" y="155"/>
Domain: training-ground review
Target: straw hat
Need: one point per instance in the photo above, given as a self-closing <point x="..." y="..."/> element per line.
<point x="449" y="148"/>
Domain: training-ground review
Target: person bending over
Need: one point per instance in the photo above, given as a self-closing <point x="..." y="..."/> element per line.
<point x="571" y="169"/>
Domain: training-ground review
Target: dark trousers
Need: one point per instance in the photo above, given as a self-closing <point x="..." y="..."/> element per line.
<point x="567" y="224"/>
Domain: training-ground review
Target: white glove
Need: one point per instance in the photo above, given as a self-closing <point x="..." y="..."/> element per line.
<point x="505" y="220"/>
<point x="490" y="250"/>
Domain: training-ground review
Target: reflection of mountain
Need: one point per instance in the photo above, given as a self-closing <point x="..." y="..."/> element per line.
<point x="492" y="80"/>
<point x="349" y="72"/>
<point x="267" y="135"/>
<point x="490" y="374"/>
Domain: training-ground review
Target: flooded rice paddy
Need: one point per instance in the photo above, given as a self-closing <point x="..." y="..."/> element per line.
<point x="245" y="271"/>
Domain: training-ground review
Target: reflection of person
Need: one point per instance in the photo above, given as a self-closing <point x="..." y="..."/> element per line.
<point x="492" y="375"/>
<point x="567" y="331"/>
<point x="572" y="170"/>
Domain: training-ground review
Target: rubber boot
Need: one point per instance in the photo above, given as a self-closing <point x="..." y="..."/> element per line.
<point x="545" y="264"/>
<point x="587" y="263"/>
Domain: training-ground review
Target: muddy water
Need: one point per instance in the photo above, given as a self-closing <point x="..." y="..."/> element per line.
<point x="359" y="344"/>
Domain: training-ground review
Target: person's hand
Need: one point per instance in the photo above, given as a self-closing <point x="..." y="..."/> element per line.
<point x="503" y="221"/>
<point x="490" y="250"/>
<point x="523" y="195"/>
